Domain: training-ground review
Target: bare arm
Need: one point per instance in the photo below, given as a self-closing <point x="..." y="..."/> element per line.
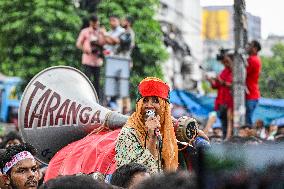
<point x="210" y="122"/>
<point x="230" y="124"/>
<point x="111" y="40"/>
<point x="80" y="41"/>
<point x="151" y="124"/>
<point x="203" y="135"/>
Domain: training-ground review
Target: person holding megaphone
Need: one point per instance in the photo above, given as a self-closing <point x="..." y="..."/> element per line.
<point x="138" y="139"/>
<point x="151" y="136"/>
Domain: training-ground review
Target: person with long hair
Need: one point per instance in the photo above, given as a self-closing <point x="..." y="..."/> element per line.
<point x="137" y="141"/>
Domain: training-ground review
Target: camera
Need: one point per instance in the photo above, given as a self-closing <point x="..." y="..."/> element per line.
<point x="96" y="49"/>
<point x="222" y="53"/>
<point x="125" y="42"/>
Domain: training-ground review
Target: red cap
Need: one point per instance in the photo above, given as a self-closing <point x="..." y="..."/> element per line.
<point x="152" y="86"/>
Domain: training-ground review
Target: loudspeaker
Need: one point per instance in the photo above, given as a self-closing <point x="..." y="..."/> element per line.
<point x="59" y="106"/>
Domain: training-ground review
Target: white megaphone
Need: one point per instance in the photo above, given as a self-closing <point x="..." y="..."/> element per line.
<point x="59" y="106"/>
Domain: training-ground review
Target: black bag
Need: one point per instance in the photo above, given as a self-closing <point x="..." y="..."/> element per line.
<point x="125" y="41"/>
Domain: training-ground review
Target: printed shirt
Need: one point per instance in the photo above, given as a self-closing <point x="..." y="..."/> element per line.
<point x="129" y="149"/>
<point x="253" y="72"/>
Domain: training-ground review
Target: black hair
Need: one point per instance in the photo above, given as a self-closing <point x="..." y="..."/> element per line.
<point x="114" y="16"/>
<point x="123" y="175"/>
<point x="177" y="180"/>
<point x="93" y="18"/>
<point x="129" y="19"/>
<point x="247" y="126"/>
<point x="256" y="44"/>
<point x="75" y="182"/>
<point x="2" y="152"/>
<point x="13" y="150"/>
<point x="225" y="52"/>
<point x="11" y="136"/>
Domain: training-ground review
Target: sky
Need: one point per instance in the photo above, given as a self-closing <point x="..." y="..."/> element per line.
<point x="271" y="13"/>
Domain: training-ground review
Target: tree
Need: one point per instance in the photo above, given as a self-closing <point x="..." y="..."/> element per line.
<point x="149" y="52"/>
<point x="272" y="79"/>
<point x="36" y="34"/>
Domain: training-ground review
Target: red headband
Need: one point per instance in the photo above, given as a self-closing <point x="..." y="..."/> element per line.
<point x="152" y="86"/>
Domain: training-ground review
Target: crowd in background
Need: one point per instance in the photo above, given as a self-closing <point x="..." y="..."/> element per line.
<point x="135" y="175"/>
<point x="20" y="169"/>
<point x="96" y="43"/>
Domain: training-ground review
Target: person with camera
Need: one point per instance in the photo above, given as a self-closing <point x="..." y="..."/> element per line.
<point x="127" y="38"/>
<point x="91" y="41"/>
<point x="224" y="100"/>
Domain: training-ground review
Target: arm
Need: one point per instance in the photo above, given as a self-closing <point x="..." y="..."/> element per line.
<point x="224" y="83"/>
<point x="203" y="135"/>
<point x="230" y="124"/>
<point x="249" y="68"/>
<point x="151" y="124"/>
<point x="80" y="41"/>
<point x="213" y="82"/>
<point x="111" y="40"/>
<point x="210" y="122"/>
<point x="101" y="37"/>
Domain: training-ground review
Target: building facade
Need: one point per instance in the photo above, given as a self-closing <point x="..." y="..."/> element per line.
<point x="181" y="24"/>
<point x="218" y="32"/>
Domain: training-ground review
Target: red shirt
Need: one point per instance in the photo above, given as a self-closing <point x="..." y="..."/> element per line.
<point x="224" y="94"/>
<point x="253" y="72"/>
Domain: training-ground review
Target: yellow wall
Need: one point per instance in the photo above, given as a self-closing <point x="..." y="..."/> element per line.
<point x="215" y="24"/>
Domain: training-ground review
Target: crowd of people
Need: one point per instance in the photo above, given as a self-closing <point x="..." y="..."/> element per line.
<point x="150" y="152"/>
<point x="95" y="43"/>
<point x="223" y="83"/>
<point x="160" y="145"/>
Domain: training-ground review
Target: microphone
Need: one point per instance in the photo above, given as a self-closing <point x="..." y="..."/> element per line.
<point x="152" y="113"/>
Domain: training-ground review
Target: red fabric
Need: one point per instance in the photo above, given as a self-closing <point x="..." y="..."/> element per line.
<point x="224" y="93"/>
<point x="253" y="72"/>
<point x="94" y="153"/>
<point x="154" y="88"/>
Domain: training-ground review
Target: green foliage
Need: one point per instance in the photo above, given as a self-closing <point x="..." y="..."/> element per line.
<point x="272" y="76"/>
<point x="149" y="52"/>
<point x="36" y="34"/>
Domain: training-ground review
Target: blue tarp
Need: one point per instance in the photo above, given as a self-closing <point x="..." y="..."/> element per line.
<point x="201" y="106"/>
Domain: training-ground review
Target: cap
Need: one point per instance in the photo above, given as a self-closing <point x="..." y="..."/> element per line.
<point x="152" y="86"/>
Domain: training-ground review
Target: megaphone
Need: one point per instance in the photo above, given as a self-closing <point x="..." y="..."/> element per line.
<point x="59" y="106"/>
